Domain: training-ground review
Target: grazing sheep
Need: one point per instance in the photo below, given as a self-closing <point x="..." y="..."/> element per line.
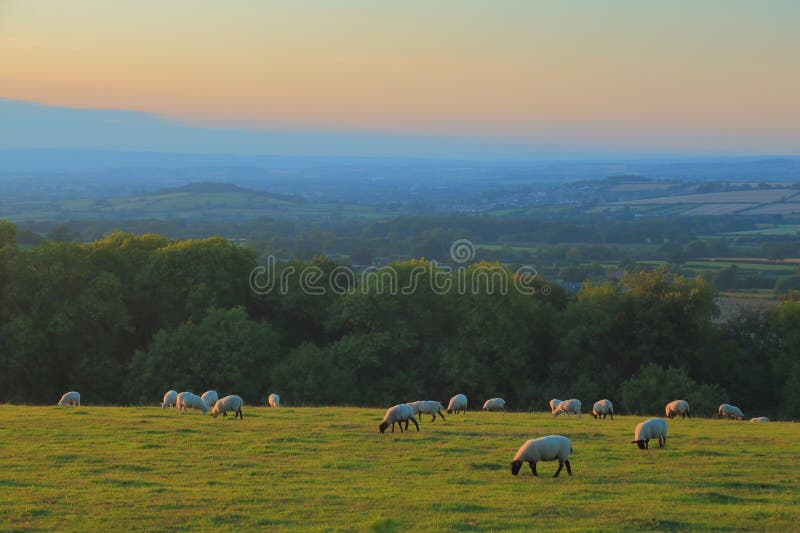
<point x="188" y="400"/>
<point x="70" y="398"/>
<point x="568" y="406"/>
<point x="603" y="408"/>
<point x="398" y="414"/>
<point x="650" y="429"/>
<point x="170" y="397"/>
<point x="547" y="448"/>
<point x="678" y="407"/>
<point x="495" y="404"/>
<point x="274" y="400"/>
<point x="759" y="419"/>
<point x="730" y="411"/>
<point x="427" y="407"/>
<point x="457" y="403"/>
<point x="553" y="404"/>
<point x="210" y="397"/>
<point x="228" y="403"/>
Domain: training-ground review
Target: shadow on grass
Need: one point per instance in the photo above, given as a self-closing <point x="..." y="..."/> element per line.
<point x="385" y="525"/>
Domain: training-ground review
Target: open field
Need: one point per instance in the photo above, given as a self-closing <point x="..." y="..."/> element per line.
<point x="111" y="468"/>
<point x="779" y="230"/>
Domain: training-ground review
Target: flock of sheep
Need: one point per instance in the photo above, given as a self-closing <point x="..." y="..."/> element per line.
<point x="549" y="448"/>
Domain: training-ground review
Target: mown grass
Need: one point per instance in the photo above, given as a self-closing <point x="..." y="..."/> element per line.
<point x="328" y="469"/>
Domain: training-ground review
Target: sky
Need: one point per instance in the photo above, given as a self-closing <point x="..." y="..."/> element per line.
<point x="569" y="77"/>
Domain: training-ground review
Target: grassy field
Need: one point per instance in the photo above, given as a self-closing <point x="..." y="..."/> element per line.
<point x="328" y="469"/>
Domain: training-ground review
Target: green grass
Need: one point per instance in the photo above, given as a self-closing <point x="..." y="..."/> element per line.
<point x="780" y="229"/>
<point x="328" y="469"/>
<point x="743" y="265"/>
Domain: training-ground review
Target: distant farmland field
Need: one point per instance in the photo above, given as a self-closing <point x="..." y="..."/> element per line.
<point x="752" y="202"/>
<point x="734" y="197"/>
<point x="328" y="469"/>
<point x="779" y="230"/>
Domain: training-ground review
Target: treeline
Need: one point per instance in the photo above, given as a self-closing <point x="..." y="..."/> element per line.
<point x="124" y="318"/>
<point x="555" y="232"/>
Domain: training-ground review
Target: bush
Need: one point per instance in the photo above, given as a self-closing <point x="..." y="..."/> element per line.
<point x="653" y="387"/>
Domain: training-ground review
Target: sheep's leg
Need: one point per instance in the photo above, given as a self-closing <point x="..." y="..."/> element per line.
<point x="440" y="414"/>
<point x="401" y="429"/>
<point x="646" y="444"/>
<point x="612" y="416"/>
<point x="406" y="425"/>
<point x="569" y="467"/>
<point x="560" y="466"/>
<point x="662" y="441"/>
<point x="533" y="467"/>
<point x="415" y="422"/>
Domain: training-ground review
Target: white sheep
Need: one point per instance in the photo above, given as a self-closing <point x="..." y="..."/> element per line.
<point x="210" y="397"/>
<point x="228" y="403"/>
<point x="651" y="429"/>
<point x="730" y="411"/>
<point x="397" y="415"/>
<point x="603" y="408"/>
<point x="427" y="407"/>
<point x="759" y="419"/>
<point x="170" y="397"/>
<point x="274" y="400"/>
<point x="547" y="448"/>
<point x="457" y="403"/>
<point x="494" y="404"/>
<point x="188" y="400"/>
<point x="678" y="407"/>
<point x="572" y="406"/>
<point x="70" y="398"/>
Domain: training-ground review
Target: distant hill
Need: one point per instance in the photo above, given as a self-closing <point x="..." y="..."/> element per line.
<point x="210" y="187"/>
<point x="207" y="201"/>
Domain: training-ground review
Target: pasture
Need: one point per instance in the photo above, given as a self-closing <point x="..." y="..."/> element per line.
<point x="328" y="469"/>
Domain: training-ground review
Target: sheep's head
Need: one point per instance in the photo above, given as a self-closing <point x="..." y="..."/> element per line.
<point x="515" y="466"/>
<point x="594" y="415"/>
<point x="639" y="443"/>
<point x="383" y="426"/>
<point x="214" y="413"/>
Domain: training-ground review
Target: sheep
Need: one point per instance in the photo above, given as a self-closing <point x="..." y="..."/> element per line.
<point x="650" y="429"/>
<point x="170" y="397"/>
<point x="730" y="411"/>
<point x="274" y="400"/>
<point x="398" y="414"/>
<point x="495" y="404"/>
<point x="70" y="398"/>
<point x="187" y="400"/>
<point x="678" y="407"/>
<point x="603" y="408"/>
<point x="228" y="403"/>
<point x="553" y="404"/>
<point x="210" y="397"/>
<point x="457" y="403"/>
<point x="568" y="406"/>
<point x="759" y="419"/>
<point x="547" y="448"/>
<point x="427" y="407"/>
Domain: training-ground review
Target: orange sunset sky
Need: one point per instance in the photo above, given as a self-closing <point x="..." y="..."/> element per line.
<point x="688" y="76"/>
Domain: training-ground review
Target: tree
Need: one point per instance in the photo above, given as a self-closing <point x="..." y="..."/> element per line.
<point x="60" y="233"/>
<point x="224" y="351"/>
<point x="653" y="387"/>
<point x="787" y="283"/>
